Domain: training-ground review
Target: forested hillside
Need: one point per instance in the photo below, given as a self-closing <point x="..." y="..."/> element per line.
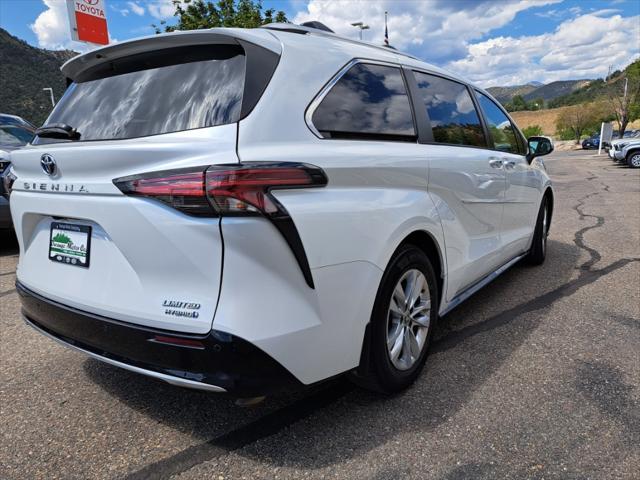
<point x="24" y="72"/>
<point x="546" y="92"/>
<point x="505" y="94"/>
<point x="597" y="88"/>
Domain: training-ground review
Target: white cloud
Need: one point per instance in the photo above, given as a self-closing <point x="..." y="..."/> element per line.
<point x="454" y="34"/>
<point x="122" y="11"/>
<point x="582" y="47"/>
<point x="559" y="14"/>
<point x="135" y="8"/>
<point x="436" y="30"/>
<point x="52" y="28"/>
<point x="161" y="9"/>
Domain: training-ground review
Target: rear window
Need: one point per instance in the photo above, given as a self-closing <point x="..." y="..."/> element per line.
<point x="12" y="136"/>
<point x="13" y="120"/>
<point x="160" y="92"/>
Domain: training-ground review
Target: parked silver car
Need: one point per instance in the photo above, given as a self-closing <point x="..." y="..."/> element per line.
<point x="15" y="132"/>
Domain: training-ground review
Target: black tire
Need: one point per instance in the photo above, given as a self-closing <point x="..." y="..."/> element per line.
<point x="379" y="372"/>
<point x="538" y="251"/>
<point x="633" y="159"/>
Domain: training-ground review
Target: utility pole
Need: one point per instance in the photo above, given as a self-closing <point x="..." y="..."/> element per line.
<point x="50" y="90"/>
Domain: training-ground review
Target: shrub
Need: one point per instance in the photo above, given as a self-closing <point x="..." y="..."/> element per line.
<point x="532" y="131"/>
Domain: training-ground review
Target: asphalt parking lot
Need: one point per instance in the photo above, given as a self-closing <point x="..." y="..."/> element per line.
<point x="537" y="376"/>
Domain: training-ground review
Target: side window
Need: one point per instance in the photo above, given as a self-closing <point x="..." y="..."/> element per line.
<point x="368" y="102"/>
<point x="454" y="119"/>
<point x="500" y="127"/>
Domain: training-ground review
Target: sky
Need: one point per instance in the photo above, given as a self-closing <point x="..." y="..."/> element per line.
<point x="490" y="42"/>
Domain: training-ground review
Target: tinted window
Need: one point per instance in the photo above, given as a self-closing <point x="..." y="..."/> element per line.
<point x="368" y="101"/>
<point x="502" y="131"/>
<point x="453" y="116"/>
<point x="12" y="136"/>
<point x="166" y="91"/>
<point x="11" y="120"/>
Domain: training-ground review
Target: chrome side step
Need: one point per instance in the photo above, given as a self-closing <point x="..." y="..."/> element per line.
<point x="462" y="296"/>
<point x="180" y="382"/>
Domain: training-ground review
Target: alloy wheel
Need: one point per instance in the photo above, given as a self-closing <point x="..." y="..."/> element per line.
<point x="408" y="319"/>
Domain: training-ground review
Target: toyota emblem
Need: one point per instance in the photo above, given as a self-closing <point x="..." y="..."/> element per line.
<point x="48" y="164"/>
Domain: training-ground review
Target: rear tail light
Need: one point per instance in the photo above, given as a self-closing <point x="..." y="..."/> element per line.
<point x="8" y="179"/>
<point x="245" y="189"/>
<point x="177" y="341"/>
<point x="231" y="190"/>
<point x="181" y="189"/>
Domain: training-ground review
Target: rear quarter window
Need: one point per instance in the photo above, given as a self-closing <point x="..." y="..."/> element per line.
<point x="367" y="102"/>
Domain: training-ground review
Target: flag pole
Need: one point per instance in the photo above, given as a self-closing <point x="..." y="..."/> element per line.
<point x="386" y="30"/>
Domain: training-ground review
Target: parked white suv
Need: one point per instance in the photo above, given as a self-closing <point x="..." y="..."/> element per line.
<point x="250" y="210"/>
<point x="630" y="152"/>
<point x="615" y="150"/>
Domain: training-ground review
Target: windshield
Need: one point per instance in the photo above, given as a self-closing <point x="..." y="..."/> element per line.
<point x="12" y="136"/>
<point x="159" y="92"/>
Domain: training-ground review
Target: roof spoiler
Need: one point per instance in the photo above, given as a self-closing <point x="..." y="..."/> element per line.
<point x="306" y="27"/>
<point x="77" y="65"/>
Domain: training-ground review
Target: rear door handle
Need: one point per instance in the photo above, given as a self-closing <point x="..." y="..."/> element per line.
<point x="495" y="162"/>
<point x="509" y="164"/>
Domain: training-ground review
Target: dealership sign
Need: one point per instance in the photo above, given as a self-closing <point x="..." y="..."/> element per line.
<point x="88" y="21"/>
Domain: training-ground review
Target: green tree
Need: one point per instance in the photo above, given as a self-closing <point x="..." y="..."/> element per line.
<point x="576" y="120"/>
<point x="536" y="104"/>
<point x="532" y="131"/>
<point x="198" y="14"/>
<point x="624" y="96"/>
<point x="519" y="103"/>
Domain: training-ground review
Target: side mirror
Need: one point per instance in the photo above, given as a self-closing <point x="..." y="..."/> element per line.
<point x="539" y="146"/>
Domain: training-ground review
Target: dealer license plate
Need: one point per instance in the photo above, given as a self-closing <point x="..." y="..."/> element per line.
<point x="70" y="243"/>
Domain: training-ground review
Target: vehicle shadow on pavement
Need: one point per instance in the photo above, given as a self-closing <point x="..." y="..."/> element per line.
<point x="8" y="243"/>
<point x="470" y="345"/>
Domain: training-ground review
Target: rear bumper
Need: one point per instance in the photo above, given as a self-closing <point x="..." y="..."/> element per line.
<point x="216" y="362"/>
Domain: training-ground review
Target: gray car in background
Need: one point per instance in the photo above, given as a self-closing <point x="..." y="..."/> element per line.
<point x="14" y="133"/>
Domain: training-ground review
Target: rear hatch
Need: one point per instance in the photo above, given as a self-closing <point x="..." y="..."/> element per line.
<point x="140" y="109"/>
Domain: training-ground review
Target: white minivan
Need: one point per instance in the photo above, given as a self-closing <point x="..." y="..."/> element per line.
<point x="252" y="210"/>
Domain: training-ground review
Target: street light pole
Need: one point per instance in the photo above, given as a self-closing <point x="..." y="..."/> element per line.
<point x="50" y="90"/>
<point x="361" y="26"/>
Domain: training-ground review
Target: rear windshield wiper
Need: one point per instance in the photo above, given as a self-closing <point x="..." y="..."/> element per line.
<point x="58" y="130"/>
